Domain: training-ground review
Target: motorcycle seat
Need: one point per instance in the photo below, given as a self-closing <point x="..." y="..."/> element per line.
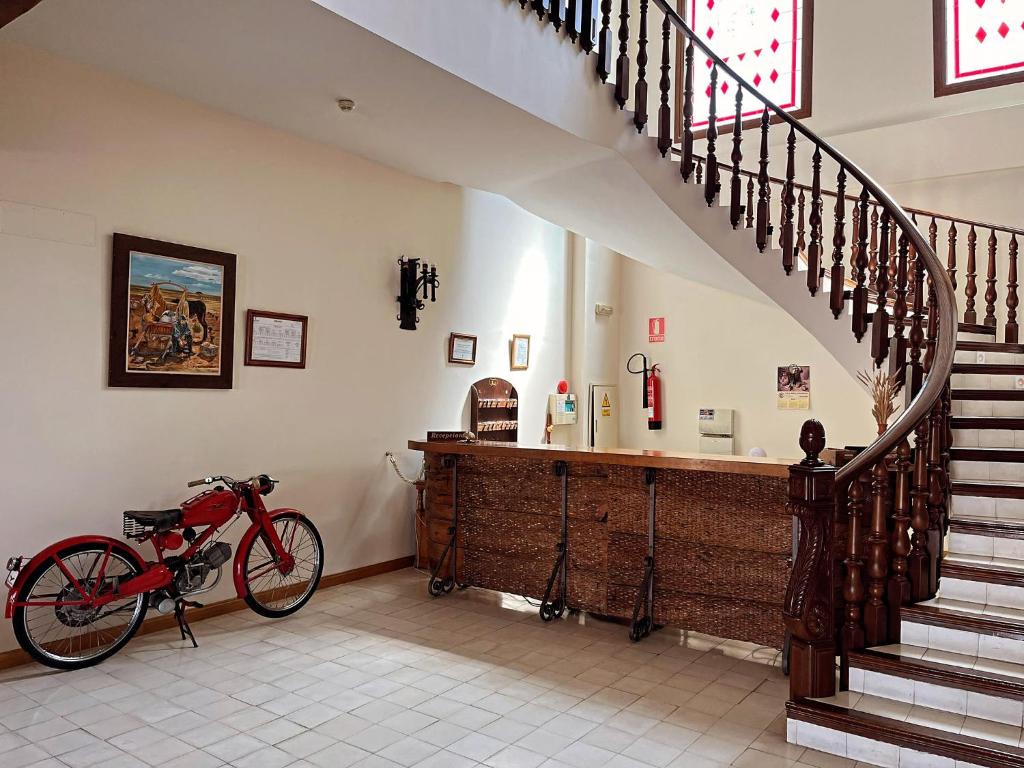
<point x="161" y="519"/>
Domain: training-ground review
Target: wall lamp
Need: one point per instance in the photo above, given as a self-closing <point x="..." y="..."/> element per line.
<point x="414" y="277"/>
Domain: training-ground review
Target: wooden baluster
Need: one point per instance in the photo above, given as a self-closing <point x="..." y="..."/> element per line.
<point x="951" y="255"/>
<point x="932" y="337"/>
<point x="893" y="262"/>
<point x="899" y="592"/>
<point x="936" y="495"/>
<point x="698" y="175"/>
<point x="876" y="624"/>
<point x="736" y="201"/>
<point x="541" y="7"/>
<point x="971" y="290"/>
<point x="990" y="282"/>
<point x="933" y="235"/>
<point x="854" y="235"/>
<point x="589" y="12"/>
<point x="860" y="290"/>
<point x="917" y="330"/>
<point x="640" y="94"/>
<point x="1011" y="331"/>
<point x="873" y="250"/>
<point x="880" y="320"/>
<point x="604" y="42"/>
<point x="853" y="584"/>
<point x="837" y="297"/>
<point x="622" y="65"/>
<point x="898" y="360"/>
<point x="524" y="3"/>
<point x="711" y="180"/>
<point x="750" y="202"/>
<point x="801" y="220"/>
<point x="558" y="14"/>
<point x="686" y="166"/>
<point x="788" y="200"/>
<point x="573" y="19"/>
<point x="763" y="192"/>
<point x="665" y="86"/>
<point x="814" y="251"/>
<point x="919" y="520"/>
<point x="809" y="610"/>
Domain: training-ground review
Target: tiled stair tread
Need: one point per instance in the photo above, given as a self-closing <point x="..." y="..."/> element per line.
<point x="990" y="668"/>
<point x="989" y="346"/>
<point x="962" y="676"/>
<point x="1002" y="528"/>
<point x="988" y="394"/>
<point x="943" y="611"/>
<point x="994" y="369"/>
<point x="987" y="454"/>
<point x="977" y="328"/>
<point x="1016" y="567"/>
<point x="964" y="744"/>
<point x="998" y="488"/>
<point x="988" y="422"/>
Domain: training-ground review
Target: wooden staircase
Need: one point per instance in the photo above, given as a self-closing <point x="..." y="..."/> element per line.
<point x="887" y="667"/>
<point x="950" y="693"/>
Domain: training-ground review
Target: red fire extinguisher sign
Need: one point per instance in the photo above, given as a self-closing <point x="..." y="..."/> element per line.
<point x="655" y="329"/>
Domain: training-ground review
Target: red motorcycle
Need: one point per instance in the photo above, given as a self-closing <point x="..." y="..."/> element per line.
<point x="80" y="600"/>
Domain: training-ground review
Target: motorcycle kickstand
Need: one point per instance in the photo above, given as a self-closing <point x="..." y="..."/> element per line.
<point x="183" y="625"/>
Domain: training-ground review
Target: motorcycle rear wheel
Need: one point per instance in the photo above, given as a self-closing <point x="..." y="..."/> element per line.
<point x="68" y="636"/>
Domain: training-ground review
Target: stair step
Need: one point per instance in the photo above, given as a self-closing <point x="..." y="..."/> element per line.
<point x="987" y="422"/>
<point x="987" y="454"/>
<point x="987" y="330"/>
<point x="987" y="489"/>
<point x="988" y="394"/>
<point x="1005" y="573"/>
<point x="980" y="526"/>
<point x="879" y="740"/>
<point x="989" y="346"/>
<point x="965" y="627"/>
<point x="997" y="369"/>
<point x="925" y="670"/>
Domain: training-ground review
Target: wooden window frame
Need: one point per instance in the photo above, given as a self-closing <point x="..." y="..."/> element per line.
<point x="942" y="88"/>
<point x="806" y="78"/>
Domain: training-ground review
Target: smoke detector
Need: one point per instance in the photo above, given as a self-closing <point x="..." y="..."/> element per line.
<point x="346" y="105"/>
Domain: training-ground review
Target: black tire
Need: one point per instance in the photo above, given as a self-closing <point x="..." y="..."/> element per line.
<point x="21" y="617"/>
<point x="317" y="550"/>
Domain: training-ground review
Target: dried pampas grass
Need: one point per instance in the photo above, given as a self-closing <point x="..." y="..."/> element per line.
<point x="883" y="389"/>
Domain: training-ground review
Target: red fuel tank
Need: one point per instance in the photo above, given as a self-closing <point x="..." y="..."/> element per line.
<point x="209" y="508"/>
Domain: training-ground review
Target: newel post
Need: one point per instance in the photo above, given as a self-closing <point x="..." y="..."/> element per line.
<point x="809" y="610"/>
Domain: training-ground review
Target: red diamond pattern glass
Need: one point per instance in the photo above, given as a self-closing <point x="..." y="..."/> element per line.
<point x="762" y="41"/>
<point x="983" y="38"/>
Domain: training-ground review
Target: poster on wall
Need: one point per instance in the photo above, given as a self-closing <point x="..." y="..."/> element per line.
<point x="275" y="339"/>
<point x="656" y="330"/>
<point x="794" y="388"/>
<point x="171" y="315"/>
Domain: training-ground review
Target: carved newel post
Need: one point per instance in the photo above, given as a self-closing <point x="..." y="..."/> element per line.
<point x="809" y="611"/>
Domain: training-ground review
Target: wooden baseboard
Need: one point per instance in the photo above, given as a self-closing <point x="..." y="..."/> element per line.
<point x="17" y="656"/>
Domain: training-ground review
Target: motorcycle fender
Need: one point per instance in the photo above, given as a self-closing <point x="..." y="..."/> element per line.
<point x="14" y="595"/>
<point x="243" y="546"/>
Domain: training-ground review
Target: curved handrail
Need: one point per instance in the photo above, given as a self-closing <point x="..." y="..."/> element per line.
<point x="942" y="363"/>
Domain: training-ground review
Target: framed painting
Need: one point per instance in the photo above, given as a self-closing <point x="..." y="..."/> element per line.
<point x="172" y="314"/>
<point x="274" y="339"/>
<point x="520" y="352"/>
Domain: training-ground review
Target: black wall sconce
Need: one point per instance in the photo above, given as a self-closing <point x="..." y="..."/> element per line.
<point x="413" y="278"/>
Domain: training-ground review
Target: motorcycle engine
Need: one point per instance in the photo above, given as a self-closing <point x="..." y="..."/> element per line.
<point x="195" y="571"/>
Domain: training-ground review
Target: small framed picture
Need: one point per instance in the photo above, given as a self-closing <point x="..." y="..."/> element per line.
<point x="274" y="339"/>
<point x="520" y="352"/>
<point x="462" y="349"/>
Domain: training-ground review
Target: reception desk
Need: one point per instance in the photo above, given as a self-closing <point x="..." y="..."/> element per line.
<point x="693" y="541"/>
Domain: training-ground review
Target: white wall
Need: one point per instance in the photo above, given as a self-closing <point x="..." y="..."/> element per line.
<point x="722" y="351"/>
<point x="317" y="232"/>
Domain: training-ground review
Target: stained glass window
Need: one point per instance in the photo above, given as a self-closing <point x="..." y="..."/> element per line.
<point x="979" y="44"/>
<point x="764" y="42"/>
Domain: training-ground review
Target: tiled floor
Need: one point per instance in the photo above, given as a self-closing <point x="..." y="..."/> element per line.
<point x="377" y="674"/>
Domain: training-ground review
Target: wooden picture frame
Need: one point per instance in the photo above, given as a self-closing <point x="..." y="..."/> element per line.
<point x="519" y="360"/>
<point x="172" y="315"/>
<point x="270" y="339"/>
<point x="943" y="88"/>
<point x="457" y="345"/>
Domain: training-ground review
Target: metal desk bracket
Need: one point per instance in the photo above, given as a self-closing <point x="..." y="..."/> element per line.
<point x="553" y="609"/>
<point x="643" y="612"/>
<point x="438" y="585"/>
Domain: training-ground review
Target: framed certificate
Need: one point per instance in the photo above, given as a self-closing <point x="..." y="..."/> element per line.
<point x="275" y="339"/>
<point x="462" y="349"/>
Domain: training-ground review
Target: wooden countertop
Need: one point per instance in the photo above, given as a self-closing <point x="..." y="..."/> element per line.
<point x="699" y="462"/>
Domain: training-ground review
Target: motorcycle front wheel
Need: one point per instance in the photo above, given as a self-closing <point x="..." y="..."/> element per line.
<point x="271" y="592"/>
<point x="61" y="630"/>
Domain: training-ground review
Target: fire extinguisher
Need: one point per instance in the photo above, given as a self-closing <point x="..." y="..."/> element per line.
<point x="651" y="389"/>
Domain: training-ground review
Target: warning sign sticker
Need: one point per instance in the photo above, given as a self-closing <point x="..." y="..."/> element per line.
<point x="656" y="330"/>
<point x="606" y="406"/>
